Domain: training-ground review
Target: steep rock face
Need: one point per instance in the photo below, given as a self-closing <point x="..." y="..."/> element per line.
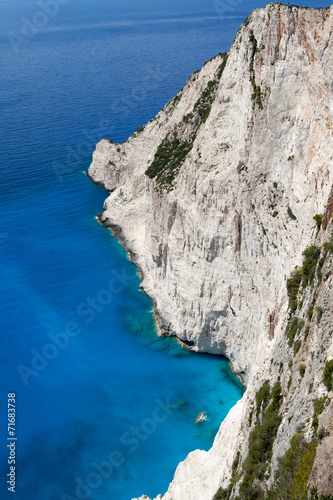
<point x="238" y="164"/>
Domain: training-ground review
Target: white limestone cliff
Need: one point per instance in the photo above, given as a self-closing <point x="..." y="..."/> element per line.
<point x="217" y="243"/>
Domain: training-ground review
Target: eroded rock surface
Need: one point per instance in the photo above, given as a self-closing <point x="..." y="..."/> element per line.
<point x="239" y="163"/>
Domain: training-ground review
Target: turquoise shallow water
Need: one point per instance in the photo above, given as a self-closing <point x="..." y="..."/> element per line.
<point x="114" y="386"/>
<point x="105" y="409"/>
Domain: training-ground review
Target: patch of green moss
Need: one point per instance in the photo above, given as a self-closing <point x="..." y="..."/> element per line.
<point x="319" y="219"/>
<point x="328" y="374"/>
<point x="172" y="151"/>
<point x="314" y="495"/>
<point x="293" y="285"/>
<point x="250" y="417"/>
<point x="311" y="256"/>
<point x="297" y="346"/>
<point x="303" y="275"/>
<point x="247" y="21"/>
<point x="188" y="118"/>
<point x="140" y="129"/>
<point x="291" y="214"/>
<point x="294" y="328"/>
<point x="168" y="159"/>
<point x="175" y="100"/>
<point x="292" y="475"/>
<point x="261" y="445"/>
<point x="205" y="101"/>
<point x="302" y="369"/>
<point x="328" y="248"/>
<point x="263" y="396"/>
<point x="212" y="58"/>
<point x="256" y="94"/>
<point x="318" y="408"/>
<point x="320" y="312"/>
<point x="224" y="55"/>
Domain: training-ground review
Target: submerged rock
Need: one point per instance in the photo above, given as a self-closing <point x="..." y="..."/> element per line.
<point x="179" y="404"/>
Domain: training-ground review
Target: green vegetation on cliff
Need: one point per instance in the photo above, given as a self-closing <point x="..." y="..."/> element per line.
<point x="328" y="375"/>
<point x="261" y="445"/>
<point x="292" y="475"/>
<point x="168" y="159"/>
<point x="256" y="94"/>
<point x="174" y="148"/>
<point x="255" y="466"/>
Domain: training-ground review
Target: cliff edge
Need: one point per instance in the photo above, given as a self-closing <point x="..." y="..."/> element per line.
<point x="225" y="201"/>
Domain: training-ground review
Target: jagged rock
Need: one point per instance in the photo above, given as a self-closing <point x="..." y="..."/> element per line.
<point x="217" y="244"/>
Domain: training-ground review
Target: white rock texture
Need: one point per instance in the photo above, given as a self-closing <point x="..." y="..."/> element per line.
<point x="215" y="251"/>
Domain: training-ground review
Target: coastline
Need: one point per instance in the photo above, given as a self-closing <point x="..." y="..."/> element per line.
<point x="161" y="329"/>
<point x="220" y="233"/>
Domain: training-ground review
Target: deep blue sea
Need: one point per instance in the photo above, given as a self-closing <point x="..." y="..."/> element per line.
<point x="105" y="410"/>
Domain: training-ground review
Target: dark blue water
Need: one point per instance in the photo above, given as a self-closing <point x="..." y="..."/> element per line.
<point x="104" y="409"/>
